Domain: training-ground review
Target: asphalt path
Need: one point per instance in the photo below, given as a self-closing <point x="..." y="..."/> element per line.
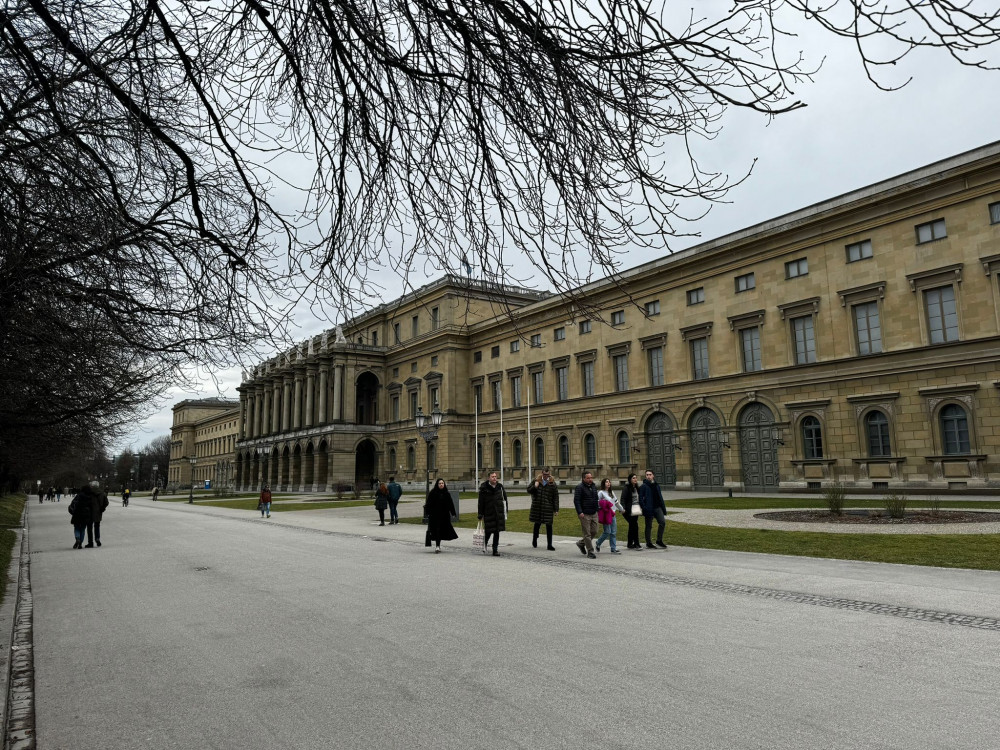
<point x="191" y="629"/>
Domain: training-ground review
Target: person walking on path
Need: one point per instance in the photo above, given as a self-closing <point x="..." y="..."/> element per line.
<point x="381" y="502"/>
<point x="395" y="492"/>
<point x="126" y="494"/>
<point x="265" y="502"/>
<point x="630" y="498"/>
<point x="493" y="510"/>
<point x="438" y="512"/>
<point x="156" y="493"/>
<point x="651" y="500"/>
<point x="41" y="495"/>
<point x="81" y="513"/>
<point x="544" y="505"/>
<point x="585" y="502"/>
<point x="607" y="514"/>
<point x="100" y="504"/>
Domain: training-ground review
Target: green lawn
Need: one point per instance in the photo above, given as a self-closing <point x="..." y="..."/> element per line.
<point x="758" y="503"/>
<point x="11" y="509"/>
<point x="944" y="550"/>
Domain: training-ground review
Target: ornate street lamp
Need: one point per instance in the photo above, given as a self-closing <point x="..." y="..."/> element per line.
<point x="194" y="461"/>
<point x="265" y="451"/>
<point x="156" y="478"/>
<point x="428" y="432"/>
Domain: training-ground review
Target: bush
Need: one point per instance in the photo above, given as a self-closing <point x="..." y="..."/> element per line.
<point x="934" y="503"/>
<point x="895" y="504"/>
<point x="834" y="495"/>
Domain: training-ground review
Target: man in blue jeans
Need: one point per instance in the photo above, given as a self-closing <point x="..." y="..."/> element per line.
<point x="395" y="492"/>
<point x="651" y="501"/>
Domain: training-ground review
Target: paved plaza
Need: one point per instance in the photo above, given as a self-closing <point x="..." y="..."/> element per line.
<point x="206" y="627"/>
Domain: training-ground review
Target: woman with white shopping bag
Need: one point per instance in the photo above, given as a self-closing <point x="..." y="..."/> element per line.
<point x="492" y="510"/>
<point x="632" y="511"/>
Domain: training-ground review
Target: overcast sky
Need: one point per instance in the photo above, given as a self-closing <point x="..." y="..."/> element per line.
<point x="850" y="135"/>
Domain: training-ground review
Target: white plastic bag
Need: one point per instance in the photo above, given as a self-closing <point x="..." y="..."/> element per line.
<point x="479" y="537"/>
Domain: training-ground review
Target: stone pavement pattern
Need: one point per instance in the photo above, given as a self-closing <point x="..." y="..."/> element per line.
<point x="211" y="628"/>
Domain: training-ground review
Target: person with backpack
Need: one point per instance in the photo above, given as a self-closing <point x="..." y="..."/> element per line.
<point x="394" y="493"/>
<point x="264" y="505"/>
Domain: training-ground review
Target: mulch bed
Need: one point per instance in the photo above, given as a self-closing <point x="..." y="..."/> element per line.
<point x="867" y="517"/>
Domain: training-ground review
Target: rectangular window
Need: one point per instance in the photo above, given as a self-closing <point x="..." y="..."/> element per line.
<point x="395" y="332"/>
<point x="413" y="404"/>
<point x="696" y="296"/>
<point x="805" y="341"/>
<point x="477" y="357"/>
<point x="942" y="317"/>
<point x="656" y="365"/>
<point x="621" y="372"/>
<point x="750" y="345"/>
<point x="536" y="339"/>
<point x="537" y="384"/>
<point x="478" y="393"/>
<point x="395" y="372"/>
<point x="374" y="338"/>
<point x="515" y="346"/>
<point x="395" y="408"/>
<point x="413" y="366"/>
<point x="562" y="383"/>
<point x="745" y="283"/>
<point x="932" y="230"/>
<point x="497" y="395"/>
<point x="587" y="374"/>
<point x="515" y="391"/>
<point x="434" y="398"/>
<point x="415" y="326"/>
<point x="867" y="328"/>
<point x="995" y="213"/>
<point x="495" y="352"/>
<point x="434" y="360"/>
<point x="584" y="326"/>
<point x="699" y="358"/>
<point x="652" y="308"/>
<point x="559" y="334"/>
<point x="859" y="251"/>
<point x="618" y="318"/>
<point x="796" y="268"/>
<point x="435" y="321"/>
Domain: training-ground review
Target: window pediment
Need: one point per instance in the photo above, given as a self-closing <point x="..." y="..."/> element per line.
<point x="935" y="277"/>
<point x="865" y="293"/>
<point x="746" y="320"/>
<point x="808" y="306"/>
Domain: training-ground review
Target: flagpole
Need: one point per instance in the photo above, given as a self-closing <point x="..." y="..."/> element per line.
<point x="499" y="387"/>
<point x="530" y="446"/>
<point x="475" y="444"/>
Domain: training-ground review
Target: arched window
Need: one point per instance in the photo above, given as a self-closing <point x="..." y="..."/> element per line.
<point x="517" y="453"/>
<point x="812" y="438"/>
<point x="497" y="457"/>
<point x="564" y="451"/>
<point x="590" y="449"/>
<point x="955" y="430"/>
<point x="539" y="452"/>
<point x="877" y="426"/>
<point x="432" y="456"/>
<point x="479" y="455"/>
<point x="624" y="448"/>
<point x="411" y="458"/>
<point x="392" y="460"/>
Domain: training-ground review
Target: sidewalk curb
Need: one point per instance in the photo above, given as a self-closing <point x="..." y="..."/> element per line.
<point x="19" y="676"/>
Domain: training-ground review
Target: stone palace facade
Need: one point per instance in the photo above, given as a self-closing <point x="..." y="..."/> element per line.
<point x="856" y="340"/>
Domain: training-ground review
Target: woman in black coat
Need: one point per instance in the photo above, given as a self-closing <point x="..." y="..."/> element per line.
<point x="629" y="496"/>
<point x="439" y="509"/>
<point x="493" y="509"/>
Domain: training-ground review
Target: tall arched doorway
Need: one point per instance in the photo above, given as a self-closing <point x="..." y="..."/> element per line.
<point x="322" y="467"/>
<point x="364" y="464"/>
<point x="366" y="411"/>
<point x="707" y="472"/>
<point x="660" y="449"/>
<point x="758" y="449"/>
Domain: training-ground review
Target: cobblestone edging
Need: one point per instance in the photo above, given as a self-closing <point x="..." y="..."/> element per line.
<point x="19" y="724"/>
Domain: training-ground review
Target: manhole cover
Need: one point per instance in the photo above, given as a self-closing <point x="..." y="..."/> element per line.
<point x="201" y="569"/>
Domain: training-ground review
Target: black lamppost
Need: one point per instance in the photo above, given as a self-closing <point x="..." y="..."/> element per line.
<point x="193" y="460"/>
<point x="428" y="432"/>
<point x="265" y="451"/>
<point x="156" y="478"/>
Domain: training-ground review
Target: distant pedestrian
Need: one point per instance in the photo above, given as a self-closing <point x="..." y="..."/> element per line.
<point x="99" y="504"/>
<point x="59" y="494"/>
<point x="438" y="512"/>
<point x="544" y="505"/>
<point x="41" y="495"/>
<point x="651" y="500"/>
<point x="264" y="504"/>
<point x="630" y="500"/>
<point x="156" y="493"/>
<point x="585" y="502"/>
<point x="381" y="502"/>
<point x="81" y="512"/>
<point x="126" y="494"/>
<point x="51" y="495"/>
<point x="394" y="492"/>
<point x="493" y="510"/>
<point x="607" y="514"/>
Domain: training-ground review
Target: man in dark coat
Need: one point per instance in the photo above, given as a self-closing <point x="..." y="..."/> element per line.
<point x="544" y="505"/>
<point x="81" y="511"/>
<point x="395" y="492"/>
<point x="493" y="510"/>
<point x="651" y="500"/>
<point x="585" y="502"/>
<point x="99" y="503"/>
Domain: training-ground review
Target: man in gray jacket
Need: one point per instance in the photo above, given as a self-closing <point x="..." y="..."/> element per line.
<point x="585" y="502"/>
